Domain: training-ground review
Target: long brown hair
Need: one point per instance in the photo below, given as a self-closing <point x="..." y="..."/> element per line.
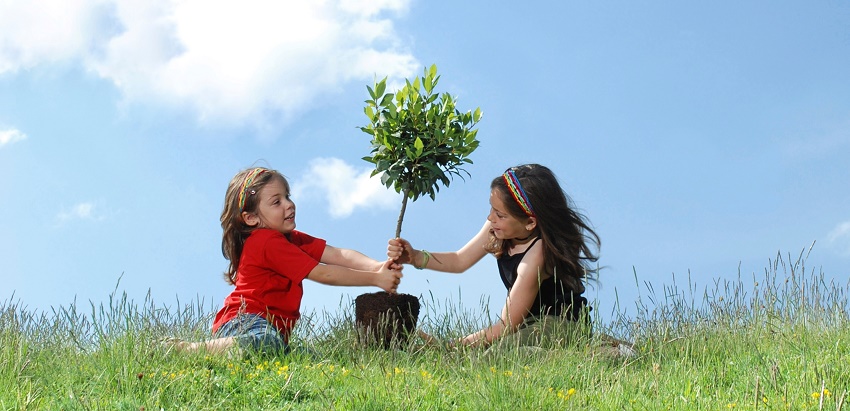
<point x="569" y="242"/>
<point x="234" y="229"/>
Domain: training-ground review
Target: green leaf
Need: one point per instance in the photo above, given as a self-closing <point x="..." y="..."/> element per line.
<point x="387" y="99"/>
<point x="380" y="88"/>
<point x="428" y="81"/>
<point x="419" y="146"/>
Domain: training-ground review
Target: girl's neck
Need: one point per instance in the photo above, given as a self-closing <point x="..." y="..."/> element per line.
<point x="521" y="241"/>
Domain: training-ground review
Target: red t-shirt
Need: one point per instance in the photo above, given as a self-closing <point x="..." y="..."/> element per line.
<point x="269" y="276"/>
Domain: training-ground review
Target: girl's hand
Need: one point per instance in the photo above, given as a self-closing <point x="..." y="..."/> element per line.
<point x="400" y="251"/>
<point x="387" y="278"/>
<point x="432" y="341"/>
<point x="379" y="265"/>
<point x="427" y="338"/>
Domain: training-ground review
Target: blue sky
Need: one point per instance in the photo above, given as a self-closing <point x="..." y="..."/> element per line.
<point x="697" y="137"/>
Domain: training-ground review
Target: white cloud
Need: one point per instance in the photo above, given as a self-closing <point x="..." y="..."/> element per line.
<point x="11" y="136"/>
<point x="81" y="211"/>
<point x="48" y="31"/>
<point x="343" y="187"/>
<point x="229" y="62"/>
<point x="839" y="237"/>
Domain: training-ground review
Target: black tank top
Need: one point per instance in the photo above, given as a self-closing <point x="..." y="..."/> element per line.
<point x="552" y="298"/>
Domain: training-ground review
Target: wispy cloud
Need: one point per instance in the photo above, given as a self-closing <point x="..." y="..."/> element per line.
<point x="232" y="63"/>
<point x="344" y="187"/>
<point x="839" y="238"/>
<point x="81" y="211"/>
<point x="829" y="139"/>
<point x="11" y="136"/>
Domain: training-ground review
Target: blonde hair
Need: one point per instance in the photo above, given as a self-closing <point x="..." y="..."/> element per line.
<point x="234" y="229"/>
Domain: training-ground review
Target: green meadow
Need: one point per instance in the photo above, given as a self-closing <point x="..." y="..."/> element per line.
<point x="774" y="340"/>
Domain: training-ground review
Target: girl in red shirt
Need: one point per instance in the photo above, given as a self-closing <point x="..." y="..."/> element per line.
<point x="269" y="259"/>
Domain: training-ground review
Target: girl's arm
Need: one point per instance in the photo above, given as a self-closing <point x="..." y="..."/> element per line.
<point x="349" y="259"/>
<point x="518" y="303"/>
<point x="459" y="261"/>
<point x="385" y="278"/>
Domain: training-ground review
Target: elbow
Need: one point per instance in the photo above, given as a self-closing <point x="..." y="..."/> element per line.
<point x="320" y="275"/>
<point x="458" y="268"/>
<point x="513" y="323"/>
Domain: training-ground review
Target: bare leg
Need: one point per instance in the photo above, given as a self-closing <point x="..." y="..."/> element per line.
<point x="214" y="346"/>
<point x="617" y="347"/>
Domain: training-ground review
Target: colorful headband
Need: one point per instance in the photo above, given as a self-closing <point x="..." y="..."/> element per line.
<point x="518" y="193"/>
<point x="247" y="183"/>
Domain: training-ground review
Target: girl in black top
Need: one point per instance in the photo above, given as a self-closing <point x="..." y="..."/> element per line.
<point x="544" y="249"/>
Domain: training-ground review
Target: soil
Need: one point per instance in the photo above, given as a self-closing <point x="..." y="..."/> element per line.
<point x="386" y="319"/>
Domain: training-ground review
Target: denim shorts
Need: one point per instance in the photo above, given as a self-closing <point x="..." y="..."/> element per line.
<point x="254" y="333"/>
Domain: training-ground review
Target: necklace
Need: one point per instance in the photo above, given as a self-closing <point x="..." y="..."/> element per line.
<point x="520" y="241"/>
<point x="523" y="239"/>
<point x="517" y="242"/>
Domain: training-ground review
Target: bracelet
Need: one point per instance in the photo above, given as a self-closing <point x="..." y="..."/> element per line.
<point x="424" y="260"/>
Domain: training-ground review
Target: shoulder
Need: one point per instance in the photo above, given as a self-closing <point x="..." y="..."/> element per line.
<point x="313" y="246"/>
<point x="299" y="238"/>
<point x="263" y="238"/>
<point x="536" y="248"/>
<point x="533" y="256"/>
<point x="295" y="237"/>
<point x="263" y="235"/>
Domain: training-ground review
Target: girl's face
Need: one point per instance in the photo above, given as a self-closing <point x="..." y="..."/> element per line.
<point x="274" y="208"/>
<point x="504" y="225"/>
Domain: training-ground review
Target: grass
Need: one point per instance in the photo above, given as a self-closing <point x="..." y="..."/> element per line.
<point x="779" y="340"/>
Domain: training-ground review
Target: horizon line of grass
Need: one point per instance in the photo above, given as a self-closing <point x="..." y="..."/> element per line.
<point x="777" y="341"/>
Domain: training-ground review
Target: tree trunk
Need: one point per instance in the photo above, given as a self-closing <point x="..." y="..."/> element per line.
<point x="401" y="215"/>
